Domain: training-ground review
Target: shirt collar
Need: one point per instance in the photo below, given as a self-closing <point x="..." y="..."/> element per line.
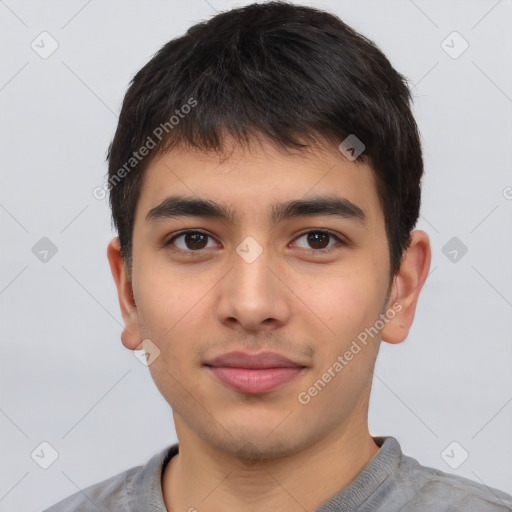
<point x="146" y="489"/>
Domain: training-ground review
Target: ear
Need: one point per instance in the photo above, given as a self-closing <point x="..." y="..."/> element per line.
<point x="130" y="336"/>
<point x="407" y="286"/>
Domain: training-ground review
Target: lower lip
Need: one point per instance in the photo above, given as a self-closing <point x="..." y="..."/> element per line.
<point x="245" y="380"/>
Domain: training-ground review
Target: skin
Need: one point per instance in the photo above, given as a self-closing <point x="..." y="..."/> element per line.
<point x="266" y="451"/>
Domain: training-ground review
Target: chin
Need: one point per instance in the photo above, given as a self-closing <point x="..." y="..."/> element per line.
<point x="255" y="442"/>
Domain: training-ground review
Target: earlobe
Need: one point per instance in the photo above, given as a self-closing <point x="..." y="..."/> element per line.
<point x="130" y="336"/>
<point x="407" y="286"/>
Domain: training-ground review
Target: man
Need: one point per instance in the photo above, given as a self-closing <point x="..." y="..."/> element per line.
<point x="265" y="182"/>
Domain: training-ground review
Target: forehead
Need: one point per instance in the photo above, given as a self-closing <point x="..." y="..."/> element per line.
<point x="259" y="182"/>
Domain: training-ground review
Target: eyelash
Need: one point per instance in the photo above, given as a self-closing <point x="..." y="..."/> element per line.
<point x="329" y="250"/>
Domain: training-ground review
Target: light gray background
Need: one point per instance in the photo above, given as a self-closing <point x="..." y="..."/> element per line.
<point x="66" y="378"/>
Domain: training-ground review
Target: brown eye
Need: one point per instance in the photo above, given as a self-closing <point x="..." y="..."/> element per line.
<point x="320" y="241"/>
<point x="190" y="241"/>
<point x="195" y="240"/>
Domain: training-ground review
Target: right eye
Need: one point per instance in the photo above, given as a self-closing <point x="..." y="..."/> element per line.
<point x="189" y="241"/>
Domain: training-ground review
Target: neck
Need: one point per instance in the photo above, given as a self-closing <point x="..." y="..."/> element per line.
<point x="204" y="478"/>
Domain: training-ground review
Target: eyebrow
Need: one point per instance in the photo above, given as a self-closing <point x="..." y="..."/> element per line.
<point x="180" y="206"/>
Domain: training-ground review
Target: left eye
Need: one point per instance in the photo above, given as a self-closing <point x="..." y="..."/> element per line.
<point x="318" y="240"/>
<point x="194" y="241"/>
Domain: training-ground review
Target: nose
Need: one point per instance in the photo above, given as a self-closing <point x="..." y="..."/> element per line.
<point x="253" y="296"/>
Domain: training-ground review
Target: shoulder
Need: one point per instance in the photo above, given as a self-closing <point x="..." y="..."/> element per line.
<point x="433" y="489"/>
<point x="130" y="490"/>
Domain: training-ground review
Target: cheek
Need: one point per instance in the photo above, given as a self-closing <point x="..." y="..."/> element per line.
<point x="348" y="351"/>
<point x="170" y="306"/>
<point x="171" y="318"/>
<point x="349" y="304"/>
<point x="167" y="291"/>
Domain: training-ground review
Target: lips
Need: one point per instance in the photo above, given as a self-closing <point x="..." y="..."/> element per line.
<point x="254" y="373"/>
<point x="258" y="361"/>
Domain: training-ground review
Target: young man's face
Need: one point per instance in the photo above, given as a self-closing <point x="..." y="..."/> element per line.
<point x="200" y="297"/>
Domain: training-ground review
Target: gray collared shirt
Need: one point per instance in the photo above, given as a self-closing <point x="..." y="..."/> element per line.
<point x="390" y="481"/>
